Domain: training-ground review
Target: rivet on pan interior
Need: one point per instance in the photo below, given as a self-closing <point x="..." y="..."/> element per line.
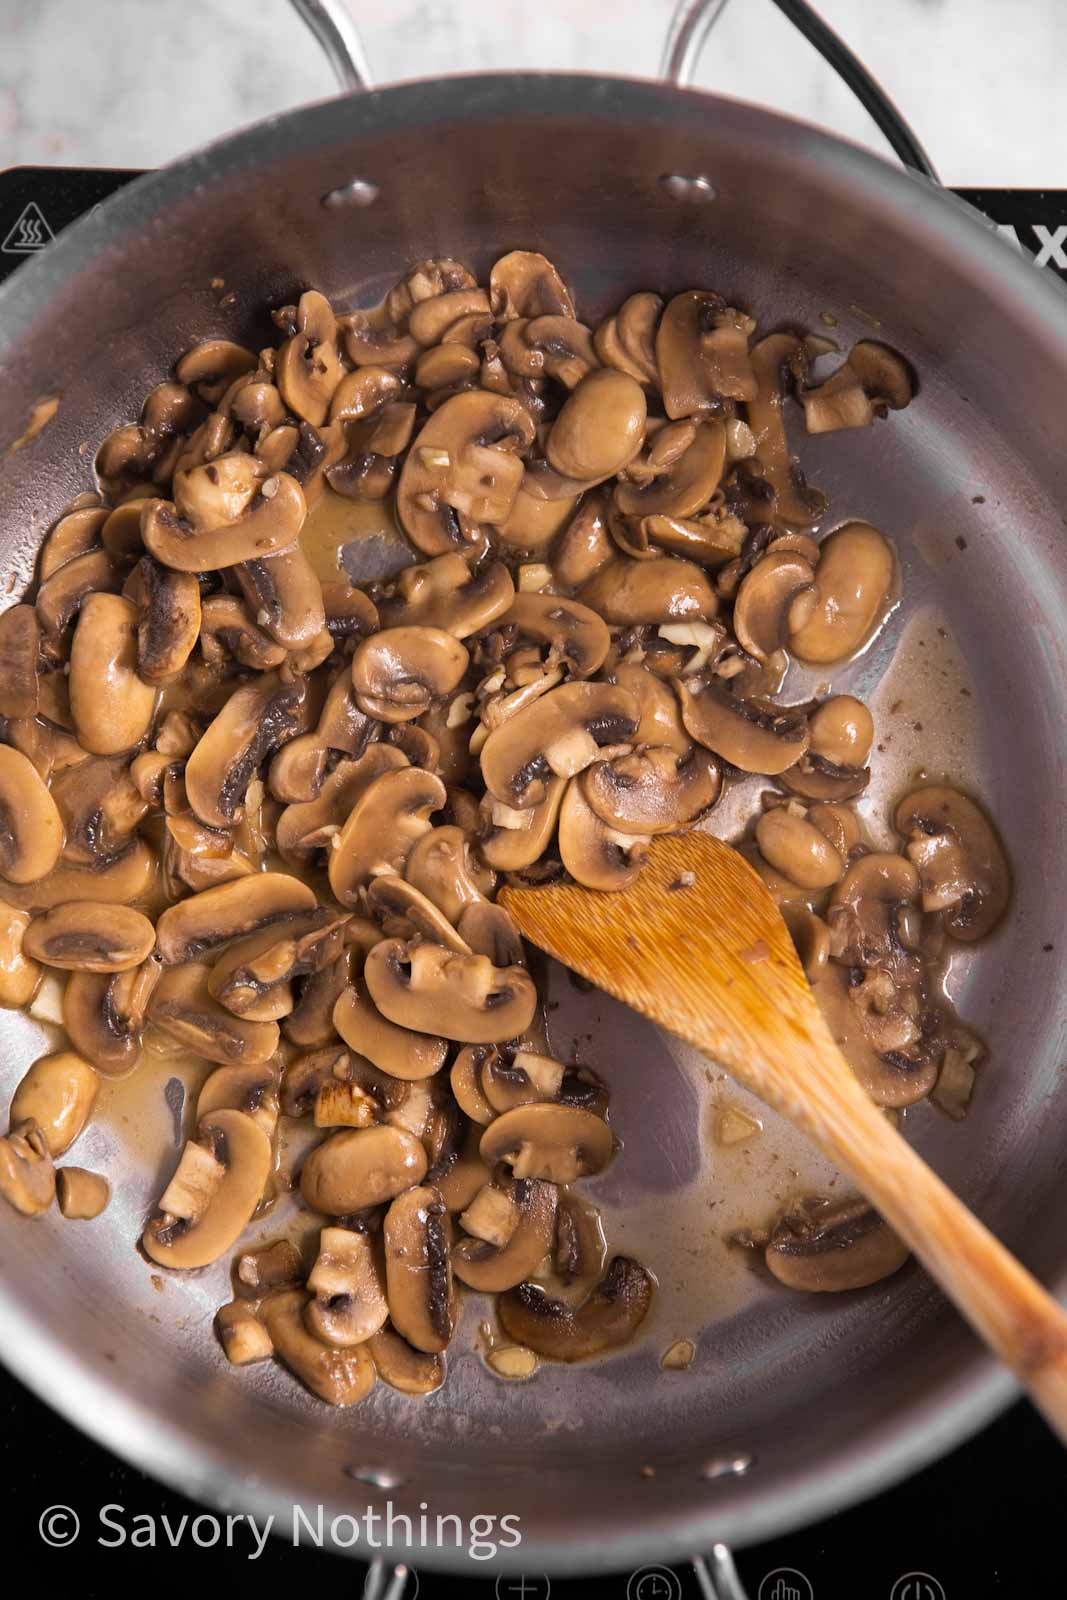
<point x="728" y="1467"/>
<point x="377" y="1477"/>
<point x="696" y="189"/>
<point x="357" y="192"/>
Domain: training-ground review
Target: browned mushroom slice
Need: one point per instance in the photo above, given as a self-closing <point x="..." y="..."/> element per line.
<point x="227" y="628"/>
<point x="299" y="768"/>
<point x="575" y="636"/>
<point x="797" y="849"/>
<point x="347" y="1281"/>
<point x="815" y="778"/>
<point x="392" y="1048"/>
<point x="753" y="735"/>
<point x="86" y="937"/>
<point x="398" y="672"/>
<point x="844" y="1246"/>
<point x="854" y="592"/>
<point x="389" y="816"/>
<point x="307" y="367"/>
<point x="205" y="921"/>
<point x="418" y="1272"/>
<point x="432" y="990"/>
<point x="600" y="428"/>
<point x="702" y="354"/>
<point x="182" y="1006"/>
<point x="873" y="380"/>
<point x="774" y="600"/>
<point x="123" y="879"/>
<point x="559" y="733"/>
<point x="490" y="1268"/>
<point x="961" y="863"/>
<point x="404" y="912"/>
<point x="255" y="719"/>
<point x="253" y="977"/>
<point x="75" y="534"/>
<point x="269" y="521"/>
<point x="169" y="621"/>
<point x="445" y="594"/>
<point x="31" y="830"/>
<point x="111" y="706"/>
<point x="896" y="1078"/>
<point x="104" y="1015"/>
<point x="865" y="919"/>
<point x="19" y="976"/>
<point x="683" y="487"/>
<point x="57" y="1093"/>
<point x="557" y="1143"/>
<point x="663" y="589"/>
<point x="776" y="360"/>
<point x="360" y="1167"/>
<point x="490" y="931"/>
<point x="608" y="1318"/>
<point x="210" y="1199"/>
<point x="514" y="839"/>
<point x="285" y="597"/>
<point x="59" y="596"/>
<point x="307" y="826"/>
<point x="402" y="1367"/>
<point x="251" y="1088"/>
<point x="27" y="1177"/>
<point x="339" y="1377"/>
<point x="653" y="790"/>
<point x="464" y="468"/>
<point x="212" y="366"/>
<point x="526" y="284"/>
<point x="20" y="643"/>
<point x="431" y="318"/>
<point x="597" y="855"/>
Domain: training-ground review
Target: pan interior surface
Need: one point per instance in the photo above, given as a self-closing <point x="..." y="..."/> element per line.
<point x="792" y="1405"/>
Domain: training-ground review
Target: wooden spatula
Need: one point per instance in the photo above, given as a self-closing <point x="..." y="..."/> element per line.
<point x="699" y="946"/>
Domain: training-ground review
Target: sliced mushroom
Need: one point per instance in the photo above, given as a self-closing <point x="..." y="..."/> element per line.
<point x="31" y="830"/>
<point x="526" y="284"/>
<point x="864" y="913"/>
<point x="576" y="637"/>
<point x="27" y="1177"/>
<point x="702" y="354"/>
<point x="111" y="706"/>
<point x="340" y="1377"/>
<point x="600" y="428"/>
<point x="811" y="939"/>
<point x="272" y="1266"/>
<point x="169" y="622"/>
<point x="387" y="819"/>
<point x="895" y="1078"/>
<point x="961" y="863"/>
<point x="347" y="1281"/>
<point x="299" y="768"/>
<point x="211" y="366"/>
<point x="122" y="879"/>
<point x="75" y="534"/>
<point x="662" y="589"/>
<point x="86" y="936"/>
<point x="558" y="733"/>
<point x="307" y="368"/>
<point x="445" y="594"/>
<point x="82" y="1195"/>
<point x="685" y="485"/>
<point x="463" y="469"/>
<point x="490" y="1268"/>
<point x="394" y="1049"/>
<point x="596" y="854"/>
<point x="514" y="839"/>
<point x="60" y="595"/>
<point x="871" y="381"/>
<point x="854" y="582"/>
<point x="104" y="1014"/>
<point x="310" y="1023"/>
<point x="243" y="1337"/>
<point x="187" y="536"/>
<point x="556" y="1143"/>
<point x="361" y="1167"/>
<point x="845" y="1246"/>
<point x="285" y="596"/>
<point x="210" y="1199"/>
<point x="773" y="599"/>
<point x="251" y="1089"/>
<point x="398" y="672"/>
<point x="20" y="644"/>
<point x="652" y="790"/>
<point x="797" y="849"/>
<point x="776" y="361"/>
<point x="58" y="1094"/>
<point x="418" y="1271"/>
<point x="608" y="1318"/>
<point x="254" y="720"/>
<point x="182" y="1006"/>
<point x="307" y="826"/>
<point x="404" y="912"/>
<point x="214" y="917"/>
<point x="253" y="977"/>
<point x="19" y="976"/>
<point x="432" y="990"/>
<point x="402" y="1367"/>
<point x="489" y="930"/>
<point x="752" y="735"/>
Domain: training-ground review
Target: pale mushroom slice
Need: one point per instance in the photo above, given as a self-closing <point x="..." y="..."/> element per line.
<point x="76" y="533"/>
<point x="855" y="582"/>
<point x="212" y="1195"/>
<point x="513" y="839"/>
<point x="31" y="829"/>
<point x="126" y="878"/>
<point x="752" y="735"/>
<point x="797" y="849"/>
<point x="340" y="1377"/>
<point x="61" y="595"/>
<point x="775" y="598"/>
<point x="403" y="1367"/>
<point x="463" y="469"/>
<point x="873" y="380"/>
<point x="58" y="1094"/>
<point x="111" y="706"/>
<point x="182" y="1006"/>
<point x="432" y="990"/>
<point x="305" y="827"/>
<point x="444" y="593"/>
<point x="962" y="867"/>
<point x="556" y="1143"/>
<point x="391" y="814"/>
<point x="608" y="1318"/>
<point x="255" y="719"/>
<point x="19" y="976"/>
<point x="347" y="1281"/>
<point x="27" y="1176"/>
<point x="679" y="487"/>
<point x="399" y="672"/>
<point x="417" y="1239"/>
<point x="360" y="1167"/>
<point x="489" y="1267"/>
<point x="205" y="921"/>
<point x="834" y="1248"/>
<point x="393" y="1048"/>
<point x="702" y="354"/>
<point x="404" y="912"/>
<point x="559" y="733"/>
<point x="307" y="367"/>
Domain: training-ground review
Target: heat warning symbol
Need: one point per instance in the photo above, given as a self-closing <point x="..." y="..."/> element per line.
<point x="29" y="233"/>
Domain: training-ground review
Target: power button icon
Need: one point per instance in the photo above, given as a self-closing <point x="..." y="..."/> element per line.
<point x="917" y="1586"/>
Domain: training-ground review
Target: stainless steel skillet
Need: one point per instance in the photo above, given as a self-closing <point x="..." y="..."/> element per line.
<point x="826" y="1401"/>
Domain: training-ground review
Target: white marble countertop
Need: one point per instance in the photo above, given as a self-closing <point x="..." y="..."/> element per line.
<point x="138" y="82"/>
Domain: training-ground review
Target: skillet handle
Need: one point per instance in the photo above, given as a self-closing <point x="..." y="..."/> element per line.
<point x="693" y="20"/>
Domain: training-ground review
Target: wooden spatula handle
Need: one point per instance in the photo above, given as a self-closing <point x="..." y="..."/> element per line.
<point x="1003" y="1302"/>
